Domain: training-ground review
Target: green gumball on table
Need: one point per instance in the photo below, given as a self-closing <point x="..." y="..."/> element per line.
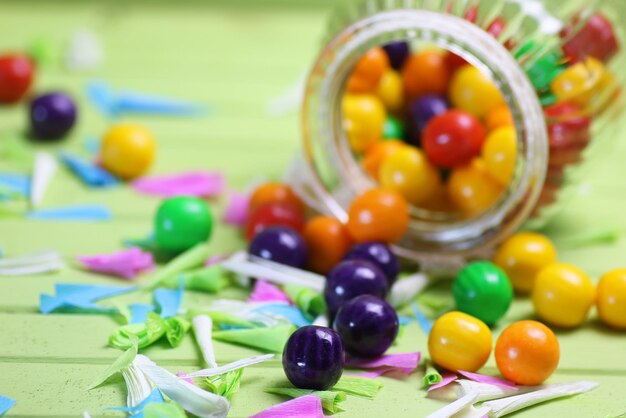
<point x="483" y="290"/>
<point x="181" y="223"/>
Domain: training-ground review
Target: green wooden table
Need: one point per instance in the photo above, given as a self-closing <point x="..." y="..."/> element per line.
<point x="234" y="55"/>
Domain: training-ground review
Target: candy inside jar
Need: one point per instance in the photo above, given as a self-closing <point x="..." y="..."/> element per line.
<point x="468" y="115"/>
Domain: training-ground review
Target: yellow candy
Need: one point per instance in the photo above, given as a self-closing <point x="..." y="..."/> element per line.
<point x="563" y="295"/>
<point x="458" y="341"/>
<point x="522" y="256"/>
<point x="474" y="92"/>
<point x="363" y="120"/>
<point x="127" y="150"/>
<point x="471" y="188"/>
<point x="500" y="154"/>
<point x="391" y="91"/>
<point x="611" y="301"/>
<point x="408" y="171"/>
<point x="582" y="83"/>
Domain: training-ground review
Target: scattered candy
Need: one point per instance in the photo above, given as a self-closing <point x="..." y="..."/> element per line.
<point x="127" y="150"/>
<point x="426" y="73"/>
<point x="453" y="138"/>
<point x="16" y="77"/>
<point x="52" y="116"/>
<point x="273" y="214"/>
<point x="596" y="39"/>
<point x="181" y="223"/>
<point x="378" y="215"/>
<point x="280" y="244"/>
<point x="377" y="154"/>
<point x="363" y="120"/>
<point x="368" y="71"/>
<point x="472" y="189"/>
<point x="193" y="183"/>
<point x="397" y="52"/>
<point x="379" y="254"/>
<point x="611" y="299"/>
<point x="499" y="153"/>
<point x="327" y="240"/>
<point x="527" y="352"/>
<point x="473" y="92"/>
<point x="274" y="193"/>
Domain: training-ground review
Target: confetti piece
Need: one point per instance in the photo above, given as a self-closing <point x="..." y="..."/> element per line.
<point x="405" y="363"/>
<point x="266" y="292"/>
<point x="142" y="334"/>
<point x="330" y="399"/>
<point x="223" y="320"/>
<point x="154" y="397"/>
<point x="202" y="330"/>
<point x="455" y="407"/>
<point x="139" y="313"/>
<point x="431" y="375"/>
<point x="16" y="183"/>
<point x="6" y="403"/>
<point x="84" y="51"/>
<point x="35" y="263"/>
<point x="44" y="169"/>
<point x="118" y="365"/>
<point x="271" y="339"/>
<point x="359" y="386"/>
<point x="284" y="311"/>
<point x="168" y="300"/>
<point x="487" y="392"/>
<point x="126" y="264"/>
<point x="307" y="300"/>
<point x="214" y="371"/>
<point x="73" y="213"/>
<point x="425" y="324"/>
<point x="236" y="212"/>
<point x="175" y="329"/>
<point x="404" y="290"/>
<point x="210" y="280"/>
<point x="491" y="380"/>
<point x="192" y="258"/>
<point x="194" y="183"/>
<point x="72" y="298"/>
<point x="309" y="406"/>
<point x="90" y="173"/>
<point x="446" y="379"/>
<point x="226" y="384"/>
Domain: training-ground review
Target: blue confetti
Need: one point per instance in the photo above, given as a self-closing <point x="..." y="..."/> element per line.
<point x="404" y="320"/>
<point x="88" y="172"/>
<point x="137" y="411"/>
<point x="74" y="213"/>
<point x="80" y="298"/>
<point x="139" y="312"/>
<point x="17" y="183"/>
<point x="282" y="310"/>
<point x="92" y="145"/>
<point x="425" y="324"/>
<point x="6" y="403"/>
<point x="169" y="300"/>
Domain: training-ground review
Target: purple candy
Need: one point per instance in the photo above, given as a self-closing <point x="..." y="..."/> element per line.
<point x="368" y="326"/>
<point x="422" y="110"/>
<point x="397" y="52"/>
<point x="352" y="278"/>
<point x="280" y="244"/>
<point x="379" y="254"/>
<point x="52" y="115"/>
<point x="313" y="358"/>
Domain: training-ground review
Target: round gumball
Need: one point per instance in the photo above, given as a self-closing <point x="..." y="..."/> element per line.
<point x="527" y="352"/>
<point x="426" y="73"/>
<point x="393" y="128"/>
<point x="181" y="223"/>
<point x="273" y="214"/>
<point x="379" y="254"/>
<point x="498" y="117"/>
<point x="52" y="116"/>
<point x="453" y="138"/>
<point x="472" y="190"/>
<point x="327" y="240"/>
<point x="280" y="244"/>
<point x="274" y="192"/>
<point x="363" y="120"/>
<point x="581" y="83"/>
<point x="482" y="290"/>
<point x="522" y="256"/>
<point x="422" y="110"/>
<point x="563" y="295"/>
<point x="390" y="91"/>
<point x="611" y="300"/>
<point x="596" y="39"/>
<point x="458" y="341"/>
<point x="368" y="71"/>
<point x="367" y="325"/>
<point x="16" y="77"/>
<point x="408" y="172"/>
<point x="397" y="52"/>
<point x="352" y="278"/>
<point x="473" y="92"/>
<point x="378" y="215"/>
<point x="377" y="154"/>
<point x="500" y="154"/>
<point x="127" y="150"/>
<point x="313" y="358"/>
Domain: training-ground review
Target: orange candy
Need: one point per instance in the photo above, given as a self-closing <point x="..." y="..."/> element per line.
<point x="498" y="117"/>
<point x="274" y="192"/>
<point x="378" y="215"/>
<point x="327" y="241"/>
<point x="527" y="352"/>
<point x="471" y="188"/>
<point x="368" y="71"/>
<point x="378" y="153"/>
<point x="426" y="73"/>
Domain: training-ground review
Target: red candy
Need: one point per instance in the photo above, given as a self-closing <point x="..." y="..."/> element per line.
<point x="596" y="39"/>
<point x="274" y="214"/>
<point x="567" y="125"/>
<point x="453" y="138"/>
<point x="16" y="76"/>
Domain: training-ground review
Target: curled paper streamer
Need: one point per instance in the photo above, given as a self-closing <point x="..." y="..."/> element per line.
<point x="235" y="365"/>
<point x="446" y="379"/>
<point x="405" y="363"/>
<point x="35" y="263"/>
<point x="72" y="213"/>
<point x="202" y="329"/>
<point x="267" y="292"/>
<point x="80" y="298"/>
<point x="236" y="211"/>
<point x="270" y="339"/>
<point x="88" y="172"/>
<point x="169" y="300"/>
<point x="126" y="264"/>
<point x="6" y="403"/>
<point x="491" y="380"/>
<point x="309" y="406"/>
<point x="366" y="388"/>
<point x="404" y="290"/>
<point x="193" y="183"/>
<point x="330" y="398"/>
<point x="43" y="172"/>
<point x="284" y="311"/>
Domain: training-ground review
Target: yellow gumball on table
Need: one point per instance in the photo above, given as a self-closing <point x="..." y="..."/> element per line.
<point x="611" y="300"/>
<point x="127" y="150"/>
<point x="563" y="295"/>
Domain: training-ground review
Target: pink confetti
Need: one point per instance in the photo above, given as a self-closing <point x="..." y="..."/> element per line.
<point x="446" y="379"/>
<point x="266" y="292"/>
<point x="373" y="374"/>
<point x="186" y="379"/>
<point x="237" y="210"/>
<point x="309" y="406"/>
<point x="491" y="380"/>
<point x="193" y="183"/>
<point x="126" y="264"/>
<point x="215" y="259"/>
<point x="405" y="362"/>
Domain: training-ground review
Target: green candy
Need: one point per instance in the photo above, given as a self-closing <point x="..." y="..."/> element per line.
<point x="482" y="290"/>
<point x="545" y="69"/>
<point x="181" y="223"/>
<point x="393" y="129"/>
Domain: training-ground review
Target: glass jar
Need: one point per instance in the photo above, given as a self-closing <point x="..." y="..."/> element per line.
<point x="329" y="177"/>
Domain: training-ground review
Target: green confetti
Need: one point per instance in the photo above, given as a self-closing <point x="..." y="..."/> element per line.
<point x="308" y="300"/>
<point x="220" y="319"/>
<point x="175" y="330"/>
<point x="211" y="280"/>
<point x="194" y="257"/>
<point x="330" y="398"/>
<point x="44" y="52"/>
<point x="148" y="333"/>
<point x="226" y="384"/>
<point x="360" y="386"/>
<point x="163" y="410"/>
<point x="119" y="364"/>
<point x="270" y="339"/>
<point x="431" y="375"/>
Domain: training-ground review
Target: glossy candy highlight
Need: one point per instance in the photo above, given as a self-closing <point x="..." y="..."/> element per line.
<point x="52" y="116"/>
<point x="378" y="253"/>
<point x="181" y="223"/>
<point x="280" y="244"/>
